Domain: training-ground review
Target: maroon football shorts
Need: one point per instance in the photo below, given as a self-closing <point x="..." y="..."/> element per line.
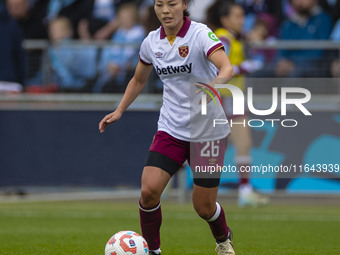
<point x="206" y="159"/>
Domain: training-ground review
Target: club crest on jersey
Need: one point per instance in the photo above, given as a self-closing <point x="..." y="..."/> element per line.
<point x="183" y="51"/>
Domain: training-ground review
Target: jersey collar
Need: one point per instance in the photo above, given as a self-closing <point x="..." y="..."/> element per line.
<point x="182" y="32"/>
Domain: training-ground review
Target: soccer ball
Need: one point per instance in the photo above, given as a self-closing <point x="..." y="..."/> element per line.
<point x="126" y="243"/>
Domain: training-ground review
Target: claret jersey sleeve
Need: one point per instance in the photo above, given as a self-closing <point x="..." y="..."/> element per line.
<point x="145" y="53"/>
<point x="209" y="41"/>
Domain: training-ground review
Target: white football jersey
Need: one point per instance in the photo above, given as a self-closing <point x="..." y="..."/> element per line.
<point x="179" y="67"/>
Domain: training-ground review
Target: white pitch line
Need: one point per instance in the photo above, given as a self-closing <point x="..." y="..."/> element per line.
<point x="176" y="216"/>
<point x="71" y="196"/>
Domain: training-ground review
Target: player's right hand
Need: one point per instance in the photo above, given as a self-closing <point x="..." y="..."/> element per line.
<point x="108" y="119"/>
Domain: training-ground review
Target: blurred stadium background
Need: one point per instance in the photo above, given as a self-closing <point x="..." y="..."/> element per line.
<point x="50" y="147"/>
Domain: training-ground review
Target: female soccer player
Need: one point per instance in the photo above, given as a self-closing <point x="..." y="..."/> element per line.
<point x="181" y="51"/>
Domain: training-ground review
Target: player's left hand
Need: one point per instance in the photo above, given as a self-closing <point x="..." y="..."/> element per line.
<point x="109" y="119"/>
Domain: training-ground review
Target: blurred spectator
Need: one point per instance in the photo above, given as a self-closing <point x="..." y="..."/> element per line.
<point x="12" y="61"/>
<point x="117" y="62"/>
<point x="101" y="23"/>
<point x="29" y="17"/>
<point x="264" y="30"/>
<point x="74" y="66"/>
<point x="277" y="9"/>
<point x="335" y="68"/>
<point x="74" y="10"/>
<point x="228" y="18"/>
<point x="309" y="22"/>
<point x="60" y="30"/>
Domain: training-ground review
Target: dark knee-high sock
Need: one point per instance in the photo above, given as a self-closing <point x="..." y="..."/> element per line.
<point x="150" y="222"/>
<point x="218" y="224"/>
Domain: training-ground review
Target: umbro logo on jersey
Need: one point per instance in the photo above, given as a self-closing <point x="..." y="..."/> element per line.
<point x="159" y="55"/>
<point x="174" y="69"/>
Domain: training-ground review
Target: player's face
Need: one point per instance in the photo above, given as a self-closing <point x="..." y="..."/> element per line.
<point x="170" y="14"/>
<point x="234" y="20"/>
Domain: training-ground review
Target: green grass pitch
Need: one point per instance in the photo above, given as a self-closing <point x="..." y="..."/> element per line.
<point x="82" y="228"/>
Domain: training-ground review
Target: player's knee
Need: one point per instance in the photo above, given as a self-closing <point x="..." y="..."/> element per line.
<point x="206" y="210"/>
<point x="149" y="196"/>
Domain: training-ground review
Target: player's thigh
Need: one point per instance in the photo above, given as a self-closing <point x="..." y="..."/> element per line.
<point x="241" y="136"/>
<point x="204" y="200"/>
<point x="154" y="181"/>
